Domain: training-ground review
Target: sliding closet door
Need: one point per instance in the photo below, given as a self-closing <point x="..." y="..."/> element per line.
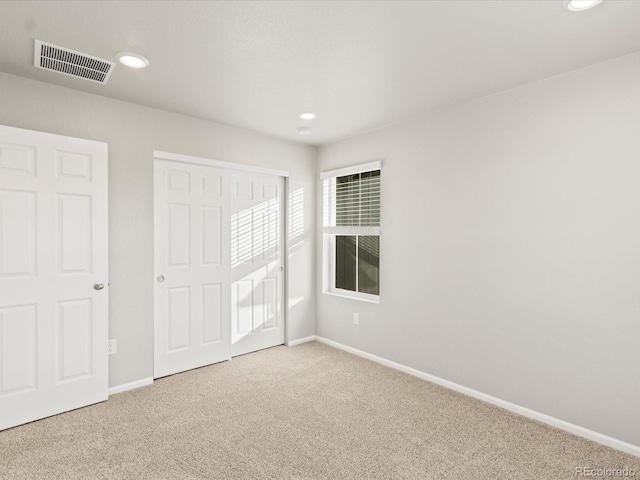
<point x="257" y="251"/>
<point x="219" y="251"/>
<point x="192" y="266"/>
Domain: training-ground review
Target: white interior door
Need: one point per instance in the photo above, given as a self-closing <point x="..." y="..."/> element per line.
<point x="257" y="251"/>
<point x="53" y="256"/>
<point x="192" y="265"/>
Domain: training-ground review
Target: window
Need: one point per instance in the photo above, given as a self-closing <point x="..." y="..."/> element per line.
<point x="351" y="226"/>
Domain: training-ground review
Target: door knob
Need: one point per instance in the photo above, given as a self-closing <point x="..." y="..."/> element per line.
<point x="98" y="286"/>
<point x="160" y="278"/>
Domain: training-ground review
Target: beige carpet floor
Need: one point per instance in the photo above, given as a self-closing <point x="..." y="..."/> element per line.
<point x="305" y="412"/>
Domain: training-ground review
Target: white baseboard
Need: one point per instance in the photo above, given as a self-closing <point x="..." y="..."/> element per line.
<point x="298" y="341"/>
<point x="525" y="412"/>
<point x="130" y="386"/>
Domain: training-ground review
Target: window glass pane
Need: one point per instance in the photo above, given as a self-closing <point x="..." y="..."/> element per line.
<point x="346" y="262"/>
<point x="369" y="264"/>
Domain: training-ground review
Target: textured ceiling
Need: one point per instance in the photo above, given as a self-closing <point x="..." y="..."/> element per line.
<point x="358" y="65"/>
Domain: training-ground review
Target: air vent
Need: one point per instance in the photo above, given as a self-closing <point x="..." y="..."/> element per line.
<point x="69" y="62"/>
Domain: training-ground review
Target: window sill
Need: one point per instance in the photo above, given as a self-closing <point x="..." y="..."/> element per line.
<point x="368" y="299"/>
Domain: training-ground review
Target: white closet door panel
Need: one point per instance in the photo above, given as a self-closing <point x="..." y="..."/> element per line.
<point x="53" y="249"/>
<point x="270" y="303"/>
<point x="178" y="318"/>
<point x="211" y="235"/>
<point x="242" y="304"/>
<point x="212" y="315"/>
<point x="257" y="234"/>
<point x="192" y="257"/>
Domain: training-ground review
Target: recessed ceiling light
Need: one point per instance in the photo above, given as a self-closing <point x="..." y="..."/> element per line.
<point x="307" y="116"/>
<point x="580" y="5"/>
<point x="132" y="60"/>
<point x="304" y="131"/>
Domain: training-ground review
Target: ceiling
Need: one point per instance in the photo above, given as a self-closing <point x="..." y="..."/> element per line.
<point x="359" y="65"/>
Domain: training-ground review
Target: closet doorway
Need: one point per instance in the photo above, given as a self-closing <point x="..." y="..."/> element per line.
<point x="219" y="261"/>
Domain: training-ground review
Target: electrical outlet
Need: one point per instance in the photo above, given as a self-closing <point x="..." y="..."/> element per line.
<point x="112" y="347"/>
<point x="356" y="319"/>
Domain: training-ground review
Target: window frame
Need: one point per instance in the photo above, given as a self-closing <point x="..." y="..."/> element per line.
<point x="329" y="234"/>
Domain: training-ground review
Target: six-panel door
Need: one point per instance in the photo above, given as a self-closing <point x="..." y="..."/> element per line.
<point x="257" y="233"/>
<point x="53" y="250"/>
<point x="192" y="292"/>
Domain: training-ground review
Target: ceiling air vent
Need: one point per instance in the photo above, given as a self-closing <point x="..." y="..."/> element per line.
<point x="69" y="62"/>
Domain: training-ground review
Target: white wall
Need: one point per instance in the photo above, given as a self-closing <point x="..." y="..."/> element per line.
<point x="133" y="132"/>
<point x="510" y="248"/>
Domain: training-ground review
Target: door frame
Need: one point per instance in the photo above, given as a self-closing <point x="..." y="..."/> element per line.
<point x="242" y="167"/>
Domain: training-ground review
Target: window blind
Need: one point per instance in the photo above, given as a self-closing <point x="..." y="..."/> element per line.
<point x="352" y="200"/>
